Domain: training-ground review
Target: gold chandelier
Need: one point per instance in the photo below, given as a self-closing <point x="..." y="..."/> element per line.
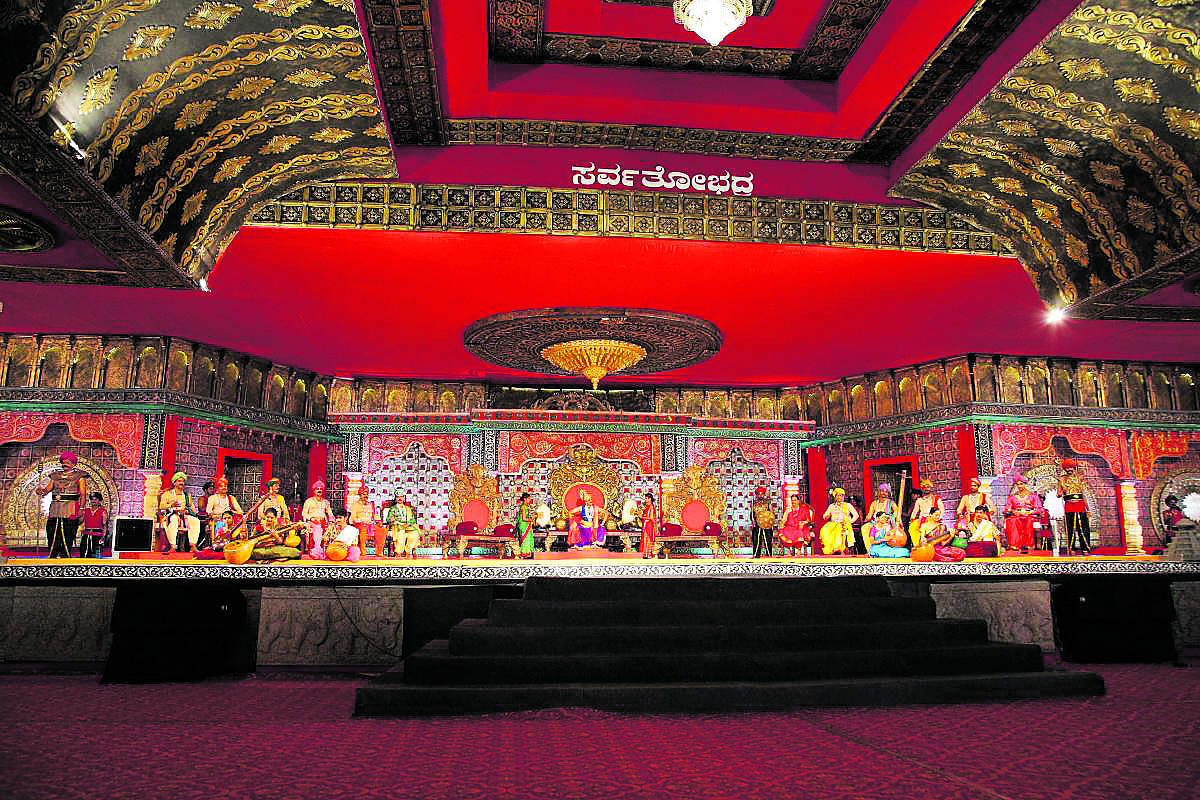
<point x="712" y="20"/>
<point x="593" y="358"/>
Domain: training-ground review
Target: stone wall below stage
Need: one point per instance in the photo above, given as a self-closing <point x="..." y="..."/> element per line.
<point x="330" y="626"/>
<point x="1015" y="611"/>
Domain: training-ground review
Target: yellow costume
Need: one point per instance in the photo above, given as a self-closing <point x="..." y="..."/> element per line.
<point x="838" y="534"/>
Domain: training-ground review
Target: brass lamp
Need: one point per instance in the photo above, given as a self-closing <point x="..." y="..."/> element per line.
<point x="593" y="358"/>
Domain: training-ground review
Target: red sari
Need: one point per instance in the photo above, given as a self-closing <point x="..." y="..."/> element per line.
<point x="649" y="526"/>
<point x="1021" y="512"/>
<point x="797" y="530"/>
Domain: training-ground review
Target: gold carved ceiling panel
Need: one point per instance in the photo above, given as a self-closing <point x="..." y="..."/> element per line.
<point x="1085" y="158"/>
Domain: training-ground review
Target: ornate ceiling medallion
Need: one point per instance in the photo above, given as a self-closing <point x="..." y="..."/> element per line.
<point x="593" y="342"/>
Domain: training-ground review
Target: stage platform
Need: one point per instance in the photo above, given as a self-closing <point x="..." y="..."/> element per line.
<point x="417" y="571"/>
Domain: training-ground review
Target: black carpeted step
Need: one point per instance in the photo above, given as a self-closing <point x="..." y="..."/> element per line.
<point x="403" y="700"/>
<point x="478" y="637"/>
<point x="433" y="665"/>
<point x="710" y="589"/>
<point x="674" y="612"/>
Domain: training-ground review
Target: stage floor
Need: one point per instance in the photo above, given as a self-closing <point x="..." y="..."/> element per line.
<point x="571" y="565"/>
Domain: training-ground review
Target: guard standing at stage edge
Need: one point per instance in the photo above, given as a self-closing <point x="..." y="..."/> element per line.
<point x="764" y="524"/>
<point x="67" y="487"/>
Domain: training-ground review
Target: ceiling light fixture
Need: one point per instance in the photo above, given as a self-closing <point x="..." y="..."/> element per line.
<point x="594" y="358"/>
<point x="712" y="20"/>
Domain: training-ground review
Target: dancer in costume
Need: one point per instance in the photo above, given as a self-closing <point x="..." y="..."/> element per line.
<point x="276" y="501"/>
<point x="316" y="513"/>
<point x="837" y="534"/>
<point x="926" y="509"/>
<point x="362" y="516"/>
<point x="1022" y="508"/>
<point x="1072" y="489"/>
<point x="797" y="530"/>
<point x="401" y="522"/>
<point x="524" y="524"/>
<point x="884" y="537"/>
<point x="649" y="527"/>
<point x="971" y="501"/>
<point x="66" y="487"/>
<point x="95" y="524"/>
<point x="588" y="521"/>
<point x="181" y="529"/>
<point x="764" y="524"/>
<point x="983" y="537"/>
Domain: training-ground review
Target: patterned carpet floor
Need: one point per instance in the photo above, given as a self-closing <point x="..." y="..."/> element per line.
<point x="292" y="736"/>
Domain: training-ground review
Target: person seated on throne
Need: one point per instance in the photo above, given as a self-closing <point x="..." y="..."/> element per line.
<point x="587" y="523"/>
<point x="885" y="538"/>
<point x="797" y="530"/>
<point x="1021" y="511"/>
<point x="837" y="535"/>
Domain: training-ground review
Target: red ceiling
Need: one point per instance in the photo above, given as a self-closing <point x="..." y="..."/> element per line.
<point x="377" y="303"/>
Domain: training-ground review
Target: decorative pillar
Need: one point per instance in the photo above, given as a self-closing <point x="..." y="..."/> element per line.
<point x="318" y="462"/>
<point x="791" y="486"/>
<point x="170" y="433"/>
<point x="668" y="489"/>
<point x="352" y="482"/>
<point x="968" y="456"/>
<point x="1130" y="527"/>
<point x="818" y="479"/>
<point x="152" y="483"/>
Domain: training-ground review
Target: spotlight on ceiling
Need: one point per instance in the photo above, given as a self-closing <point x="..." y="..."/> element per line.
<point x="712" y="20"/>
<point x="1056" y="315"/>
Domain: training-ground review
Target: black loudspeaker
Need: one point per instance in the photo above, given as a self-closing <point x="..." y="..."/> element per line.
<point x="1114" y="619"/>
<point x="133" y="535"/>
<point x="178" y="630"/>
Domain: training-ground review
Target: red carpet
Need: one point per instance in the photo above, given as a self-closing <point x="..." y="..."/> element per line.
<point x="293" y="737"/>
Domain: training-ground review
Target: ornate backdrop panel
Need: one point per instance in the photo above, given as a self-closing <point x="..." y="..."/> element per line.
<point x="381" y="446"/>
<point x="767" y="452"/>
<point x="1009" y="441"/>
<point x="122" y="431"/>
<point x="424" y="480"/>
<point x="534" y="477"/>
<point x="1149" y="446"/>
<point x="518" y="448"/>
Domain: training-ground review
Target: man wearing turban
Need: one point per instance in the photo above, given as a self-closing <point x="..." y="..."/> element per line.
<point x="67" y="487"/>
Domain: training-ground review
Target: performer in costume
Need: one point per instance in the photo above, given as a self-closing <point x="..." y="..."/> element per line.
<point x="66" y="487"/>
<point x="95" y="524"/>
<point x="764" y="520"/>
<point x="931" y="532"/>
<point x="797" y="530"/>
<point x="181" y="528"/>
<point x="272" y="536"/>
<point x="276" y="501"/>
<point x="983" y="537"/>
<point x="971" y="501"/>
<point x="1020" y="510"/>
<point x="837" y="534"/>
<point x="401" y="522"/>
<point x="362" y="516"/>
<point x="217" y="505"/>
<point x="1172" y="515"/>
<point x="878" y="534"/>
<point x="649" y="526"/>
<point x="342" y="544"/>
<point x="205" y="541"/>
<point x="882" y="502"/>
<point x="588" y="519"/>
<point x="524" y="524"/>
<point x="316" y="513"/>
<point x="926" y="509"/>
<point x="1072" y="489"/>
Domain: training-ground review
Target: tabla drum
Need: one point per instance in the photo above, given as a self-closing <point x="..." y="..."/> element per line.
<point x="543" y="516"/>
<point x="336" y="551"/>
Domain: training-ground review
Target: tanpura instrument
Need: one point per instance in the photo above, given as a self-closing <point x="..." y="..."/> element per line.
<point x="239" y="552"/>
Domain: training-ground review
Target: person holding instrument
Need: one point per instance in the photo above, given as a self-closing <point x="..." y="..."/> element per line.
<point x="838" y="533"/>
<point x="66" y="487"/>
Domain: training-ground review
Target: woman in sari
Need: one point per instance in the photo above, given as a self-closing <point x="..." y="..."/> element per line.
<point x="525" y="518"/>
<point x="1020" y="510"/>
<point x="649" y="526"/>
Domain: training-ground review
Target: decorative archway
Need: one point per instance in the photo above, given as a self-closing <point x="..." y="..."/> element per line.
<point x="1179" y="482"/>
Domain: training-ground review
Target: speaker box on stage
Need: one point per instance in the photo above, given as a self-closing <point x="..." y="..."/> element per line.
<point x="1116" y="619"/>
<point x="178" y="630"/>
<point x="133" y="535"/>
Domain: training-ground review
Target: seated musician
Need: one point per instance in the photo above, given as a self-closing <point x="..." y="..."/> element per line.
<point x="884" y="537"/>
<point x="972" y="500"/>
<point x="837" y="534"/>
<point x="926" y="508"/>
<point x="341" y="543"/>
<point x="883" y="502"/>
<point x="275" y="541"/>
<point x="587" y="523"/>
<point x="316" y="513"/>
<point x="947" y="545"/>
<point x="401" y="522"/>
<point x="983" y="537"/>
<point x="181" y="523"/>
<point x="218" y="504"/>
<point x="797" y="530"/>
<point x="276" y="501"/>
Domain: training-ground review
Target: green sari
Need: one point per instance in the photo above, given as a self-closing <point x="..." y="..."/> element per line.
<point x="525" y="517"/>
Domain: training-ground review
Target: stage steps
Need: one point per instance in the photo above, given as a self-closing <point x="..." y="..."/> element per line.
<point x="711" y="644"/>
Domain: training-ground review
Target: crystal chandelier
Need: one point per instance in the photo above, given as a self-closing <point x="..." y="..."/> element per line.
<point x="713" y="20"/>
<point x="593" y="358"/>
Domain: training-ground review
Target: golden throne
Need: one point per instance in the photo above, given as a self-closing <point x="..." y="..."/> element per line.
<point x="694" y="510"/>
<point x="475" y="504"/>
<point x="583" y="471"/>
